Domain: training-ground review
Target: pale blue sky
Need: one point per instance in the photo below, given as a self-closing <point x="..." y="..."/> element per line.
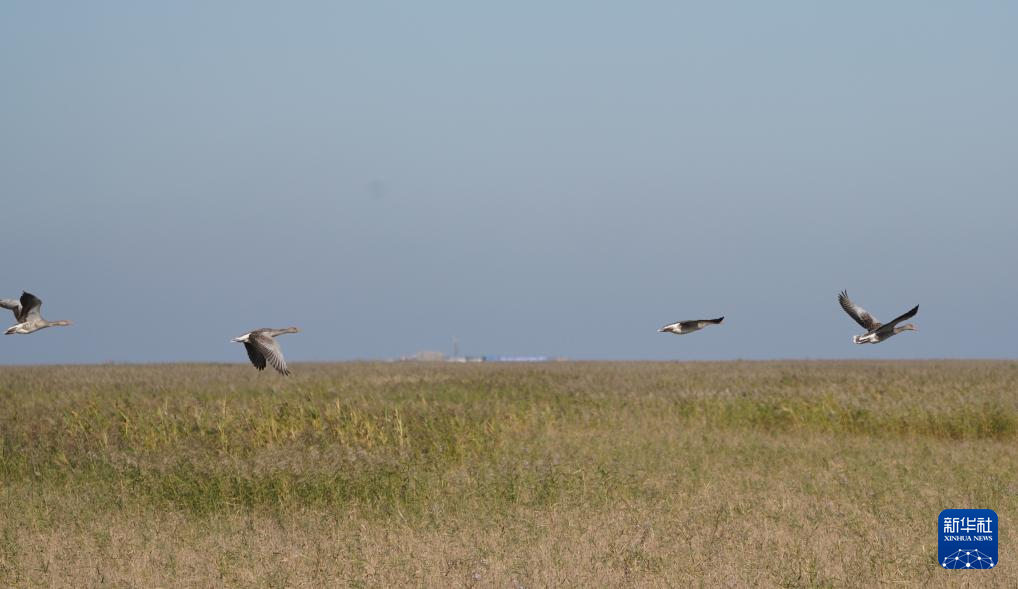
<point x="533" y="177"/>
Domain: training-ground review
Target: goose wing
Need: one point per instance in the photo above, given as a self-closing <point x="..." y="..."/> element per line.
<point x="12" y="305"/>
<point x="861" y="316"/>
<point x="30" y="307"/>
<point x="268" y="349"/>
<point x="255" y="356"/>
<point x="907" y="315"/>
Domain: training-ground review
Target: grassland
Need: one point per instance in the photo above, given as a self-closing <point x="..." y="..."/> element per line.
<point x="792" y="474"/>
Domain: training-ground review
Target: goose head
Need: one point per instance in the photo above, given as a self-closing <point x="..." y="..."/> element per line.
<point x="906" y="327"/>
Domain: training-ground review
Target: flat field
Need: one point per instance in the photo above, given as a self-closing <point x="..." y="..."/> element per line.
<point x="732" y="474"/>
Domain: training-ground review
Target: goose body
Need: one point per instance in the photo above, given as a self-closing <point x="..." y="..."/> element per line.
<point x="27" y="314"/>
<point x="684" y="327"/>
<point x="876" y="331"/>
<point x="262" y="348"/>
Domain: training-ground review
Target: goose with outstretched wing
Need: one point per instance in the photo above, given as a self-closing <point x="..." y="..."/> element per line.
<point x="684" y="327"/>
<point x="262" y="348"/>
<point x="27" y="313"/>
<point x="876" y="331"/>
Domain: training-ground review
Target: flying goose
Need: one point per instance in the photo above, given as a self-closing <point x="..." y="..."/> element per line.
<point x="26" y="313"/>
<point x="876" y="331"/>
<point x="683" y="327"/>
<point x="262" y="347"/>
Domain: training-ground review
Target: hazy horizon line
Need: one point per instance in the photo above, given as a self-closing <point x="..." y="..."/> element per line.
<point x="519" y="362"/>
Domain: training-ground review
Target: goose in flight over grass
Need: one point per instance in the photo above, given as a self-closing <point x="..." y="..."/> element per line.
<point x="684" y="327"/>
<point x="876" y="331"/>
<point x="26" y="313"/>
<point x="262" y="347"/>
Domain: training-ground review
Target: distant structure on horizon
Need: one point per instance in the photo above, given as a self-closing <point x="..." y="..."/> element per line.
<point x="425" y="356"/>
<point x="433" y="356"/>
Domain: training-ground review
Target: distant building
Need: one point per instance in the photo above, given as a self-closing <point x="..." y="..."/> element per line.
<point x="432" y="356"/>
<point x="428" y="356"/>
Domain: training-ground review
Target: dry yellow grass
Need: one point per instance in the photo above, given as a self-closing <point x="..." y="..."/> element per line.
<point x="793" y="474"/>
